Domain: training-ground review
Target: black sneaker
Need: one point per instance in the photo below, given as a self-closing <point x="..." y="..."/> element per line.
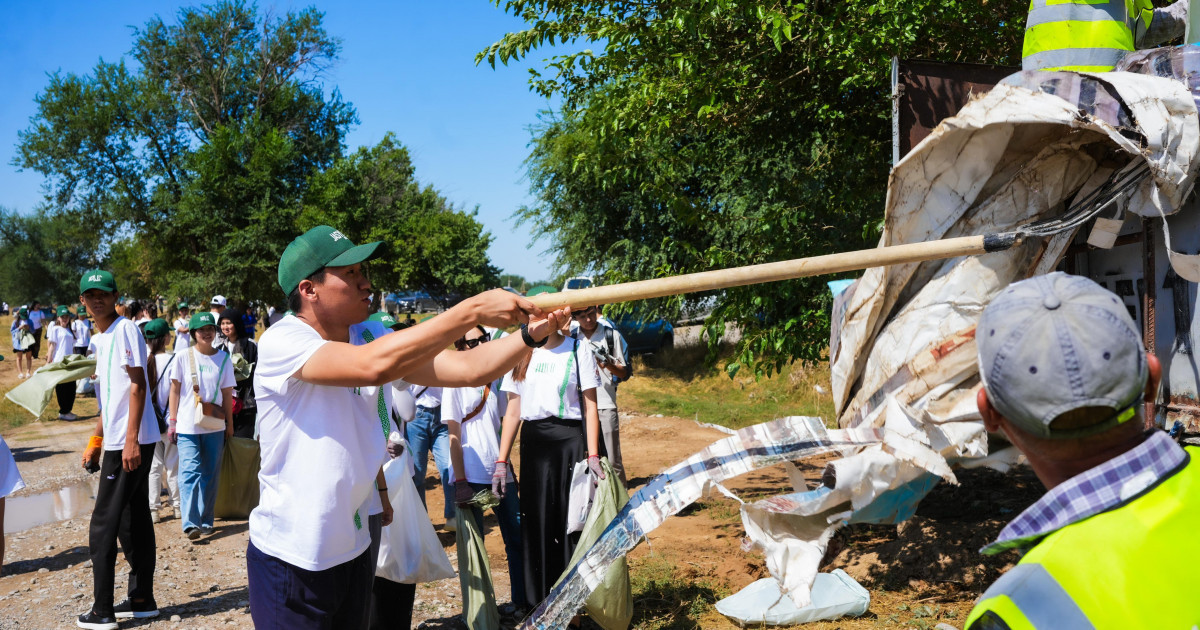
<point x="192" y="533"/>
<point x="136" y="610"/>
<point x="92" y="621"/>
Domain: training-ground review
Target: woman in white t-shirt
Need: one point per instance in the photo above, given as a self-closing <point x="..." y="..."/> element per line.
<point x="22" y="342"/>
<point x="166" y="452"/>
<point x="62" y="345"/>
<point x="550" y="394"/>
<point x="182" y="339"/>
<point x="201" y="389"/>
<point x="82" y="328"/>
<point x="472" y="415"/>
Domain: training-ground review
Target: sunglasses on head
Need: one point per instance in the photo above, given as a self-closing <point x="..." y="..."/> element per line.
<point x="591" y="310"/>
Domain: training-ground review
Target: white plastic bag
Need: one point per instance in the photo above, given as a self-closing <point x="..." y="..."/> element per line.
<point x="582" y="493"/>
<point x="85" y="386"/>
<point x="409" y="551"/>
<point x="834" y="595"/>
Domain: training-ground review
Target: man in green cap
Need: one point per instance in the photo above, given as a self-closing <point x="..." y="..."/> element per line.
<point x="82" y="329"/>
<point x="124" y="441"/>
<point x="320" y="426"/>
<point x="183" y="341"/>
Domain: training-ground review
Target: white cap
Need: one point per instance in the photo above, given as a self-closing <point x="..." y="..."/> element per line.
<point x="218" y="300"/>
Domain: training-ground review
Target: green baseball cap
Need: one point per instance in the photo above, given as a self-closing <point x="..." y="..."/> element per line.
<point x="383" y="318"/>
<point x="156" y="328"/>
<point x="317" y="248"/>
<point x="63" y="311"/>
<point x="97" y="279"/>
<point x="200" y="319"/>
<point x="81" y="312"/>
<point x="183" y="305"/>
<point x="23" y="313"/>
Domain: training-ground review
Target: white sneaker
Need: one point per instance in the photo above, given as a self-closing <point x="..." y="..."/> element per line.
<point x="154" y="516"/>
<point x="67" y="416"/>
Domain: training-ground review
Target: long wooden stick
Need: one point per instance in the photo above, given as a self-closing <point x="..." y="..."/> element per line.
<point x="773" y="272"/>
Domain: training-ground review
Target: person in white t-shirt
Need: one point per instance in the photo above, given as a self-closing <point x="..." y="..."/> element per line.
<point x="62" y="345"/>
<point x="123" y="445"/>
<point x="37" y="323"/>
<point x="165" y="466"/>
<point x="81" y="327"/>
<point x="472" y="416"/>
<point x="202" y="384"/>
<point x="552" y="398"/>
<point x="612" y="356"/>
<point x="321" y="439"/>
<point x="182" y="339"/>
<point x="10" y="482"/>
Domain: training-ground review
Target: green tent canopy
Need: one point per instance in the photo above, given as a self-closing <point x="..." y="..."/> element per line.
<point x="540" y="289"/>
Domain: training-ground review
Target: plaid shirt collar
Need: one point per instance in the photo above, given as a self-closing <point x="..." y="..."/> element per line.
<point x="1097" y="490"/>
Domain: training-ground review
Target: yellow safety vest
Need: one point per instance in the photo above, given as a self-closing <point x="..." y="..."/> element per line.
<point x="1081" y="35"/>
<point x="1130" y="567"/>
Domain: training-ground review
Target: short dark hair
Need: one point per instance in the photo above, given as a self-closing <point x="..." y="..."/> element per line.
<point x="293" y="300"/>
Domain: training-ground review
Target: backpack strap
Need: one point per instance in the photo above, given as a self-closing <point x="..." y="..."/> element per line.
<point x="487" y="389"/>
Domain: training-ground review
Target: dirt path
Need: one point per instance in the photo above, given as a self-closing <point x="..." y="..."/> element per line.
<point x="924" y="571"/>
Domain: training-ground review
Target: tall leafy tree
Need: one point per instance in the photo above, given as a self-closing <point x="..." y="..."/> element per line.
<point x="718" y="133"/>
<point x="201" y="146"/>
<point x="44" y="255"/>
<point x="373" y="195"/>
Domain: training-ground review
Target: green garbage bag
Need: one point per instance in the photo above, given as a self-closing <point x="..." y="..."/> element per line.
<point x="611" y="604"/>
<point x="237" y="485"/>
<point x="474" y="571"/>
<point x="34" y="394"/>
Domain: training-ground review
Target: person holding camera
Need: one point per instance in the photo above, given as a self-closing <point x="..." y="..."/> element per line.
<point x="612" y="357"/>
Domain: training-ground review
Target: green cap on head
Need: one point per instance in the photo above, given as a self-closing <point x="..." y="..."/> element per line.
<point x="23" y="313"/>
<point x="183" y="305"/>
<point x="97" y="279"/>
<point x="200" y="319"/>
<point x="156" y="328"/>
<point x="383" y="318"/>
<point x="63" y="311"/>
<point x="317" y="248"/>
<point x="81" y="312"/>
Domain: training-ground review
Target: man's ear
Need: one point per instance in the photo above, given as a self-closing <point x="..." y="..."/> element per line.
<point x="991" y="417"/>
<point x="308" y="290"/>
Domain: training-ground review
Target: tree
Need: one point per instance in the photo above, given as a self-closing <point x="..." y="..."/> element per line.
<point x="719" y="133"/>
<point x="44" y="256"/>
<point x="515" y="281"/>
<point x="373" y="195"/>
<point x="202" y="150"/>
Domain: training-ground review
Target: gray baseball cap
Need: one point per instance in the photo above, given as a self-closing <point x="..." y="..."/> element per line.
<point x="1055" y="343"/>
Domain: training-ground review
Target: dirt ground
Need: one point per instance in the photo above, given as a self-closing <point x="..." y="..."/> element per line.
<point x="921" y="573"/>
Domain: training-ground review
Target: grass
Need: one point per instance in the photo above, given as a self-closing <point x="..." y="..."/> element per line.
<point x="664" y="599"/>
<point x="677" y="382"/>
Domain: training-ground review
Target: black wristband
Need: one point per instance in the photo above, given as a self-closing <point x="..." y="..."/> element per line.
<point x="528" y="339"/>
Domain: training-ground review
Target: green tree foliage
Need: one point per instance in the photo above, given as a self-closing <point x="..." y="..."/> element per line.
<point x="44" y="256"/>
<point x="373" y="195"/>
<point x="201" y="150"/>
<point x="718" y="133"/>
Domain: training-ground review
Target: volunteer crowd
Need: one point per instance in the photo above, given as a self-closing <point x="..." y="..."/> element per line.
<point x="330" y="434"/>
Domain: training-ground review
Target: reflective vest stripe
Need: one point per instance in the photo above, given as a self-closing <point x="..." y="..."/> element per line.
<point x="1041" y="600"/>
<point x="1115" y="11"/>
<point x="1073" y="58"/>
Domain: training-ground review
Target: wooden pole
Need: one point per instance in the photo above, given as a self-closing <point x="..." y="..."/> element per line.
<point x="768" y="272"/>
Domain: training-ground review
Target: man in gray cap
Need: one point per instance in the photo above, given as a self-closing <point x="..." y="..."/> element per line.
<point x="1065" y="377"/>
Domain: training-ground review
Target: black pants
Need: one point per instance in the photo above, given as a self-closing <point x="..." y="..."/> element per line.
<point x="122" y="513"/>
<point x="391" y="604"/>
<point x="37" y="341"/>
<point x="286" y="597"/>
<point x="65" y="392"/>
<point x="549" y="449"/>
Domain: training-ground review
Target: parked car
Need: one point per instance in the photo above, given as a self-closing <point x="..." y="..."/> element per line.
<point x="417" y="302"/>
<point x="578" y="282"/>
<point x="642" y="336"/>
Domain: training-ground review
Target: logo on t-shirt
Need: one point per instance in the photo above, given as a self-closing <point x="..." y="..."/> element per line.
<point x="336" y="235"/>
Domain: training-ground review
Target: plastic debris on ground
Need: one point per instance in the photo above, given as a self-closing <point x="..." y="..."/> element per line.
<point x="834" y="595"/>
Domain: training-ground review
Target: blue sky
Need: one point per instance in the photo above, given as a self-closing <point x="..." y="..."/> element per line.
<point x="408" y="67"/>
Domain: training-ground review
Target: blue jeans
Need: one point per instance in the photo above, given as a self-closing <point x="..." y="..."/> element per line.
<point x="199" y="465"/>
<point x="426" y="432"/>
<point x="508" y="517"/>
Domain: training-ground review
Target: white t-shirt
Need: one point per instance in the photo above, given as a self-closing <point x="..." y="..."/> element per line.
<point x="479" y="436"/>
<point x="64" y="343"/>
<point x="321" y="449"/>
<point x="427" y="397"/>
<point x="10" y="477"/>
<point x="182" y="339"/>
<point x="35" y="319"/>
<point x="119" y="347"/>
<point x="162" y="396"/>
<point x="606" y="394"/>
<point x="83" y="332"/>
<point x="549" y="388"/>
<point x="211" y="370"/>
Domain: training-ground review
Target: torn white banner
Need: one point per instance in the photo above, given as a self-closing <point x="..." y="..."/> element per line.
<point x="749" y="449"/>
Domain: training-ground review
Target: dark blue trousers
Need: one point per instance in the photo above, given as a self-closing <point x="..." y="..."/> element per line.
<point x="286" y="597"/>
